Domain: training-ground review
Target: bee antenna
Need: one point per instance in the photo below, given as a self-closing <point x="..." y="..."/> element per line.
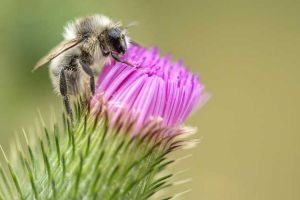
<point x="131" y="24"/>
<point x="118" y="24"/>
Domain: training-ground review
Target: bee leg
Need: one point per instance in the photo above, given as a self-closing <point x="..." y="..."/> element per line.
<point x="118" y="59"/>
<point x="135" y="43"/>
<point x="89" y="72"/>
<point x="64" y="92"/>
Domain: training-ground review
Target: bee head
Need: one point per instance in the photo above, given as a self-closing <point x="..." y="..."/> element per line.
<point x="117" y="40"/>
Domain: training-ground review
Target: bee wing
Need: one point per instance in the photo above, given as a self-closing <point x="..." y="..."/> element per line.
<point x="56" y="51"/>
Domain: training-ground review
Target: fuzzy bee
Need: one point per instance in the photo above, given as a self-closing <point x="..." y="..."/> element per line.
<point x="88" y="41"/>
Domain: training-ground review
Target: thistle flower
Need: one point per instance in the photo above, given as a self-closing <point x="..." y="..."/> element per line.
<point x="156" y="88"/>
<point x="119" y="143"/>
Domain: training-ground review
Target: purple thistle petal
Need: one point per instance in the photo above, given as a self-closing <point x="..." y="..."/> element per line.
<point x="156" y="88"/>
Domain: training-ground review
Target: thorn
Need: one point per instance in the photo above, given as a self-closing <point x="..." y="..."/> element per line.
<point x="57" y="148"/>
<point x="181" y="172"/>
<point x="46" y="160"/>
<point x="179" y="195"/>
<point x="4" y="155"/>
<point x="79" y="173"/>
<point x="25" y="136"/>
<point x="17" y="141"/>
<point x="13" y="175"/>
<point x="178" y="160"/>
<point x="48" y="138"/>
<point x="182" y="181"/>
<point x="41" y="117"/>
<point x="187" y="131"/>
<point x="53" y="116"/>
<point x="6" y="182"/>
<point x="191" y="144"/>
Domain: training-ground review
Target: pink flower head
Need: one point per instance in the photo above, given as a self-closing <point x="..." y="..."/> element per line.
<point x="156" y="88"/>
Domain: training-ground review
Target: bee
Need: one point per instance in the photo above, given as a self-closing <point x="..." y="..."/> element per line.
<point x="88" y="42"/>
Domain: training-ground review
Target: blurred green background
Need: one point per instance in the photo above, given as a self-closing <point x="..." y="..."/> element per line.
<point x="247" y="53"/>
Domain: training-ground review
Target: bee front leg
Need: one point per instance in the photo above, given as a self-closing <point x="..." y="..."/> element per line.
<point x="118" y="59"/>
<point x="86" y="68"/>
<point x="64" y="92"/>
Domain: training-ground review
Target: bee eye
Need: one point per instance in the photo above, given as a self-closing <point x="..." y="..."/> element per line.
<point x="116" y="39"/>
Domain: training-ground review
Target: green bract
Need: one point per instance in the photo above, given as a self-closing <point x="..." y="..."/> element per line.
<point x="92" y="159"/>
